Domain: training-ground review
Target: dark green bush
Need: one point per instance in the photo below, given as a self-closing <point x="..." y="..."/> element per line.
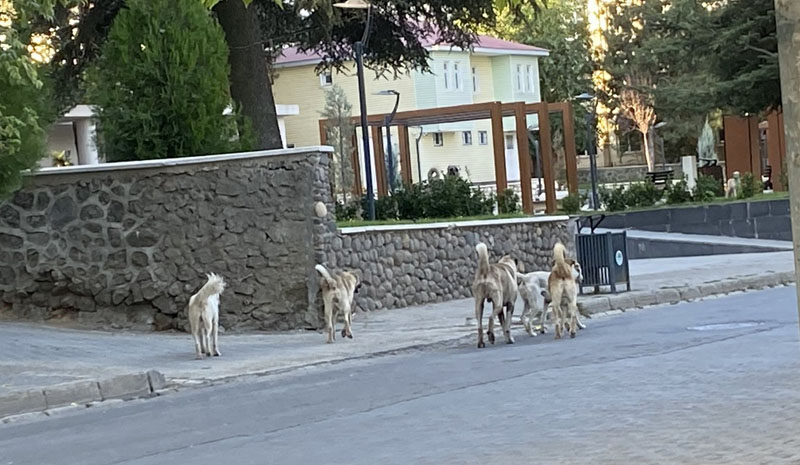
<point x="571" y="204"/>
<point x="347" y="211"/>
<point x="749" y="186"/>
<point x="643" y="194"/>
<point x="678" y="192"/>
<point x="508" y="202"/>
<point x="707" y="189"/>
<point x="161" y="84"/>
<point x="614" y="199"/>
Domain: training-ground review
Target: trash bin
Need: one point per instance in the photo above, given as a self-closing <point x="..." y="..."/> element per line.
<point x="604" y="260"/>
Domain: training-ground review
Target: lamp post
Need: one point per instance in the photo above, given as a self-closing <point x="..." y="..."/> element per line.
<point x="419" y="162"/>
<point x="387" y="121"/>
<point x="359" y="55"/>
<point x="660" y="143"/>
<point x="590" y="135"/>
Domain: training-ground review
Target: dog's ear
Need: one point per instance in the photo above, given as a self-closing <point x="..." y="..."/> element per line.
<point x="546" y="295"/>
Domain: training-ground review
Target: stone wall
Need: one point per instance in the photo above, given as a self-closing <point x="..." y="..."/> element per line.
<point x="419" y="264"/>
<point x="125" y="245"/>
<point x="620" y="174"/>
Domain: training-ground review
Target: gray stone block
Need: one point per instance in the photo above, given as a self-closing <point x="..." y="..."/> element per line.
<point x="156" y="379"/>
<point x="125" y="386"/>
<point x="773" y="226"/>
<point x="710" y="289"/>
<point x="594" y="304"/>
<point x="668" y="296"/>
<point x="779" y="207"/>
<point x="21" y="402"/>
<point x="687" y="215"/>
<point x="645" y="299"/>
<point x="621" y="301"/>
<point x="690" y="293"/>
<point x="718" y="212"/>
<point x="79" y="392"/>
<point x="756" y="209"/>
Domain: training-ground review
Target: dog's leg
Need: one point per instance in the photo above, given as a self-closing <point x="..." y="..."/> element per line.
<point x="479" y="318"/>
<point x="507" y="325"/>
<point x="198" y="346"/>
<point x="526" y="317"/>
<point x="329" y="336"/>
<point x="581" y="325"/>
<point x="496" y="311"/>
<point x="346" y="332"/>
<point x="208" y="326"/>
<point x="214" y="335"/>
<point x="573" y="323"/>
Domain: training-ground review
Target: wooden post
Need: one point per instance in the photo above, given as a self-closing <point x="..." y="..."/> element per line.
<point x="774" y="143"/>
<point x="379" y="161"/>
<point x="405" y="155"/>
<point x="355" y="162"/>
<point x="755" y="149"/>
<point x="546" y="145"/>
<point x="323" y="132"/>
<point x="523" y="151"/>
<point x="570" y="154"/>
<point x="498" y="144"/>
<point x="737" y="145"/>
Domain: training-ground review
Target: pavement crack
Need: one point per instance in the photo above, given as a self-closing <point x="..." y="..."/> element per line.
<point x="176" y="449"/>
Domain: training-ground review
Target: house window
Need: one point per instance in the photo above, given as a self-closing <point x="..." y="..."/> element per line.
<point x="466" y="137"/>
<point x="509" y="142"/>
<point x="474" y="79"/>
<point x="483" y="137"/>
<point x="326" y="79"/>
<point x="446" y="74"/>
<point x="456" y="76"/>
<point x="529" y="78"/>
<point x="519" y="78"/>
<point x="438" y="139"/>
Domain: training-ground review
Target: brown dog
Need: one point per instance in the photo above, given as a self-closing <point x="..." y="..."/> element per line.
<point x="338" y="291"/>
<point x="563" y="292"/>
<point x="496" y="283"/>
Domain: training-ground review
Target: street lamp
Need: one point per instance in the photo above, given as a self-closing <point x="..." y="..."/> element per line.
<point x="590" y="135"/>
<point x="661" y="143"/>
<point x="359" y="55"/>
<point x="387" y="121"/>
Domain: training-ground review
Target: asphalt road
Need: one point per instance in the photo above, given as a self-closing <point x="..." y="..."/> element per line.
<point x="654" y="386"/>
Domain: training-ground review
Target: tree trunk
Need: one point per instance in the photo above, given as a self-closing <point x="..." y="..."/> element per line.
<point x="648" y="155"/>
<point x="250" y="83"/>
<point x="788" y="21"/>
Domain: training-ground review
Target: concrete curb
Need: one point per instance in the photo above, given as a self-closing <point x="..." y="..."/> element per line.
<point x="603" y="304"/>
<point x="128" y="386"/>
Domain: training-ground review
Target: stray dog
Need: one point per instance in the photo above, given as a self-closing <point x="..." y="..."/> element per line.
<point x="563" y="292"/>
<point x="203" y="315"/>
<point x="734" y="186"/>
<point x="338" y="291"/>
<point x="536" y="297"/>
<point x="496" y="283"/>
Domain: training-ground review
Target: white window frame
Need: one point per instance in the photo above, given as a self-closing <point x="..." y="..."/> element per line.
<point x="324" y="77"/>
<point x="509" y="141"/>
<point x="474" y="79"/>
<point x="519" y="78"/>
<point x="466" y="138"/>
<point x="438" y="139"/>
<point x="446" y="75"/>
<point x="529" y="78"/>
<point x="483" y="137"/>
<point x="458" y="83"/>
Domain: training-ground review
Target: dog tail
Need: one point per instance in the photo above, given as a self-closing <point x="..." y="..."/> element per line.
<point x="215" y="285"/>
<point x="327" y="279"/>
<point x="483" y="258"/>
<point x="560" y="257"/>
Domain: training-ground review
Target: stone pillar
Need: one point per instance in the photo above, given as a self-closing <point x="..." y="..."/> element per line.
<point x="689" y="166"/>
<point x="788" y="20"/>
<point x="85" y="129"/>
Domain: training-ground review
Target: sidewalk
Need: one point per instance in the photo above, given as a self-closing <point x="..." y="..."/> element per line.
<point x="42" y="367"/>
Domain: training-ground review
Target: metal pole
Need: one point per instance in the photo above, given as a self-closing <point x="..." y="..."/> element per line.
<point x="389" y="154"/>
<point x="592" y="158"/>
<point x="359" y="46"/>
<point x="787" y="13"/>
<point x="419" y="162"/>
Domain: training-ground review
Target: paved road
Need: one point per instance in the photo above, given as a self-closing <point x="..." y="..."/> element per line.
<point x="639" y="388"/>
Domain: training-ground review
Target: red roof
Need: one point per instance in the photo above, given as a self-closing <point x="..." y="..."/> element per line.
<point x="292" y="55"/>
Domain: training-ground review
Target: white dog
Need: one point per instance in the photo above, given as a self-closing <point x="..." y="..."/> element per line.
<point x="203" y="315"/>
<point x="563" y="292"/>
<point x="496" y="283"/>
<point x="338" y="291"/>
<point x="536" y="297"/>
<point x="734" y="186"/>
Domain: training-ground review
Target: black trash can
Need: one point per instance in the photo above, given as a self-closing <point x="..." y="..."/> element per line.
<point x="604" y="260"/>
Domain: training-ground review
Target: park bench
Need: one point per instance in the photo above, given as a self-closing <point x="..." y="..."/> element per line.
<point x="659" y="178"/>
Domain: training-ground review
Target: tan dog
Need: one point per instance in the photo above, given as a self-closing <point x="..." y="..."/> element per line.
<point x="563" y="292"/>
<point x="203" y="313"/>
<point x="536" y="297"/>
<point x="338" y="291"/>
<point x="734" y="186"/>
<point x="496" y="283"/>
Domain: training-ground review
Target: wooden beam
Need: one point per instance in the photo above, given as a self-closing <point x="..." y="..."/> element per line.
<point x="379" y="161"/>
<point x="755" y="148"/>
<point x="570" y="153"/>
<point x="523" y="151"/>
<point x="405" y="156"/>
<point x="546" y="145"/>
<point x="774" y="155"/>
<point x="498" y="144"/>
<point x="323" y="132"/>
<point x="358" y="191"/>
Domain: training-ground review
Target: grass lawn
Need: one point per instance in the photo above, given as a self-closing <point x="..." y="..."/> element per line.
<point x="717" y="201"/>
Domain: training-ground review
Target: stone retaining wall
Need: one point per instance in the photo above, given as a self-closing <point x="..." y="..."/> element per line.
<point x="420" y="264"/>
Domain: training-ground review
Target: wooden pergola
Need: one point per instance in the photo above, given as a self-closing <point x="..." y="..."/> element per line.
<point x="494" y="111"/>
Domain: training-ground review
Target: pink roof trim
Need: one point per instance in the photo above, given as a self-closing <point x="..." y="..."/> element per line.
<point x="292" y="55"/>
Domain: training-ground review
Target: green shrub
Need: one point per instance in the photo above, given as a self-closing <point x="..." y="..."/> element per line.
<point x="614" y="199"/>
<point x="347" y="211"/>
<point x="643" y="194"/>
<point x="161" y="84"/>
<point x="678" y="192"/>
<point x="571" y="204"/>
<point x="749" y="186"/>
<point x="508" y="202"/>
<point x="707" y="189"/>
